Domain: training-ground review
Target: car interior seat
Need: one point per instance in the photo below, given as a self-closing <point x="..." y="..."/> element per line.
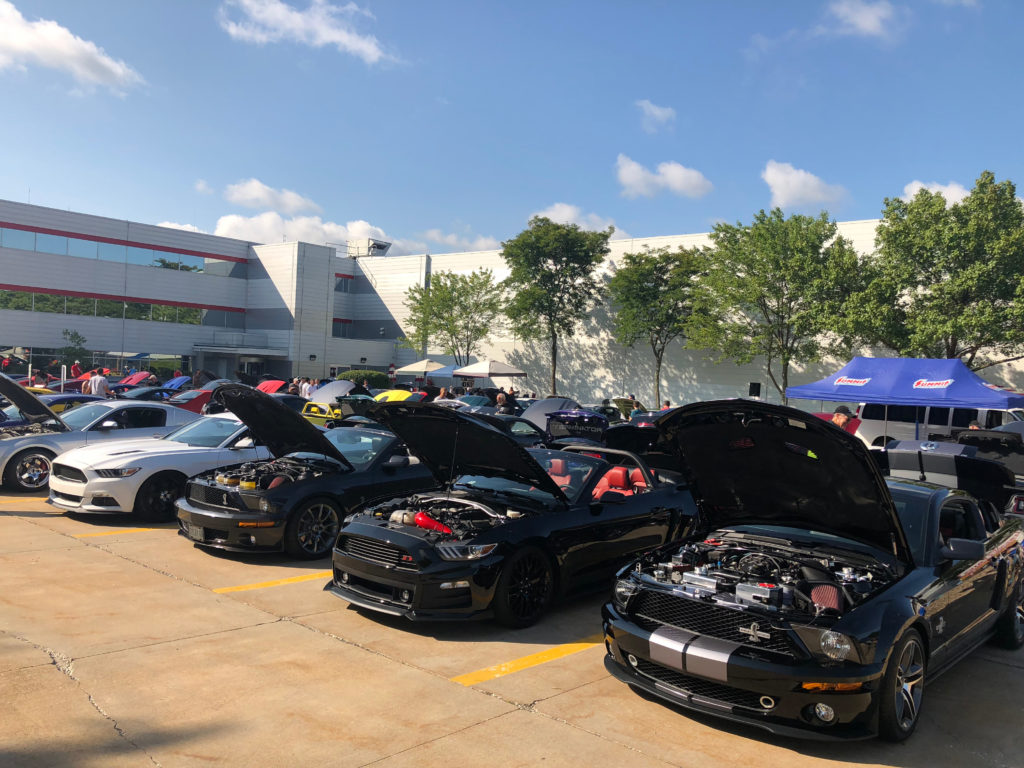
<point x="559" y="471"/>
<point x="637" y="480"/>
<point x="615" y="479"/>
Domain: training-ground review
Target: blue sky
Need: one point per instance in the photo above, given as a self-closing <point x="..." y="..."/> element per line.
<point x="444" y="126"/>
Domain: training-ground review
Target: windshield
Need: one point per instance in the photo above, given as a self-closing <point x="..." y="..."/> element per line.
<point x="205" y="433"/>
<point x="571" y="472"/>
<point x="84" y="415"/>
<point x="184" y="397"/>
<point x="912" y="509"/>
<point x="11" y="412"/>
<point x="358" y="446"/>
<point x="504" y="486"/>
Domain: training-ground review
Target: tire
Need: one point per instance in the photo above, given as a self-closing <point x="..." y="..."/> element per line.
<point x="525" y="588"/>
<point x="312" y="529"/>
<point x="902" y="689"/>
<point x="29" y="470"/>
<point x="154" y="502"/>
<point x="1010" y="626"/>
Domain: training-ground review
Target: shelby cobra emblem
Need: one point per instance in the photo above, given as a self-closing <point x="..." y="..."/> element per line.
<point x="754" y="632"/>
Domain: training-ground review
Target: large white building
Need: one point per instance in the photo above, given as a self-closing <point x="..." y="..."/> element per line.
<point x="299" y="309"/>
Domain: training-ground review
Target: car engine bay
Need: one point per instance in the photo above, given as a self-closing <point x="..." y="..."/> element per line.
<point x="776" y="580"/>
<point x="447" y="518"/>
<point x="266" y="475"/>
<point x="8" y="433"/>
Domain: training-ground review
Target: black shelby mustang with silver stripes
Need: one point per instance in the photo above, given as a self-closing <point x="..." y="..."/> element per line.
<point x="816" y="596"/>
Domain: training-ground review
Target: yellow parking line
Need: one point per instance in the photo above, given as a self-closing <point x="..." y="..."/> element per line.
<point x="534" y="659"/>
<point x="113" y="533"/>
<point x="275" y="583"/>
<point x="26" y="498"/>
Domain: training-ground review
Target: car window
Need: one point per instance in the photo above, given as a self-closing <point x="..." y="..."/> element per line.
<point x="84" y="415"/>
<point x="960" y="520"/>
<point x="360" y="448"/>
<point x="995" y="419"/>
<point x="524" y="428"/>
<point x="962" y="417"/>
<point x="938" y="417"/>
<point x="205" y="433"/>
<point x="141" y="418"/>
<point x="912" y="510"/>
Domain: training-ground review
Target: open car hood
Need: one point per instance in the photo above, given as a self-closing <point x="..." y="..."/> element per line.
<point x="34" y="409"/>
<point x="274" y="424"/>
<point x="751" y="463"/>
<point x="452" y="443"/>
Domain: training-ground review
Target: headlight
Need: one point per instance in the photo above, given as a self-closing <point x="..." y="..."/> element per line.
<point x="112" y="473"/>
<point x="623" y="593"/>
<point x="465" y="551"/>
<point x="267" y="506"/>
<point x="835" y="645"/>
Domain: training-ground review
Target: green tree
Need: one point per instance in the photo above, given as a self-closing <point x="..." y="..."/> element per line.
<point x="455" y="313"/>
<point x="74" y="348"/>
<point x="775" y="288"/>
<point x="652" y="297"/>
<point x="551" y="280"/>
<point x="947" y="279"/>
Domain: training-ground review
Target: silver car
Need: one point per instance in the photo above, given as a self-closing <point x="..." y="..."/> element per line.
<point x="27" y="451"/>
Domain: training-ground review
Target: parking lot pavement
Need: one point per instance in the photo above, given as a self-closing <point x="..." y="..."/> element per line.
<point x="123" y="644"/>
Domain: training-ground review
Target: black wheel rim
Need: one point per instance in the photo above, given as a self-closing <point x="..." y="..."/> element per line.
<point x="33" y="471"/>
<point x="909" y="685"/>
<point x="317" y="527"/>
<point x="529" y="585"/>
<point x="162" y="496"/>
<point x="1018" y="611"/>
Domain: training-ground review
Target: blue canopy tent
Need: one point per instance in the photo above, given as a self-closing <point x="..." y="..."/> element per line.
<point x="908" y="381"/>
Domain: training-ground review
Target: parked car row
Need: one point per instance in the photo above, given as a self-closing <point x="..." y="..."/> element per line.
<point x="763" y="565"/>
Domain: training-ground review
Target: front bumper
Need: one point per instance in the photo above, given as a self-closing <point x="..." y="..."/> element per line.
<point x="227" y="529"/>
<point x="430" y="589"/>
<point x="702" y="675"/>
<point x="94" y="496"/>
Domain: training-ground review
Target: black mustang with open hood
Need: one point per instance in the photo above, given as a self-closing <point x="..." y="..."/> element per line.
<point x="815" y="594"/>
<point x="507" y="528"/>
<point x="295" y="502"/>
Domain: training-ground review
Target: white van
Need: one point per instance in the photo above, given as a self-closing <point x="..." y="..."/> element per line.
<point x="879" y="423"/>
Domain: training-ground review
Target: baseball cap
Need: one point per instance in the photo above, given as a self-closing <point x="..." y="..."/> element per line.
<point x="843" y="410"/>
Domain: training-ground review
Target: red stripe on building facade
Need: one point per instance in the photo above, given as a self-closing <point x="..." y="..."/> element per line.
<point x="112" y="297"/>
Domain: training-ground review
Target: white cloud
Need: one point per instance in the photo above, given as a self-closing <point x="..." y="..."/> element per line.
<point x="186" y="227"/>
<point x="863" y="18"/>
<point x="461" y="242"/>
<point x="655" y="117"/>
<point x="48" y="44"/>
<point x="321" y="24"/>
<point x="271" y="227"/>
<point x="953" y="192"/>
<point x="202" y="187"/>
<point x="637" y="181"/>
<point x="565" y="213"/>
<point x="253" y="193"/>
<point x="792" y="187"/>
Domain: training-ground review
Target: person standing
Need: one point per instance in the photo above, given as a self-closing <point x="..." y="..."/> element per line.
<point x="98" y="384"/>
<point x="841" y="416"/>
<point x="76" y="370"/>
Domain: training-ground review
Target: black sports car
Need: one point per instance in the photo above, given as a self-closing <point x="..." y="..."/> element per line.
<point x="297" y="501"/>
<point x="815" y="597"/>
<point x="509" y="529"/>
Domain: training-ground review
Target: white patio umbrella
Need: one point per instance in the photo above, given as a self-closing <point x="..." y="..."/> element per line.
<point x="487" y="369"/>
<point x="421" y="367"/>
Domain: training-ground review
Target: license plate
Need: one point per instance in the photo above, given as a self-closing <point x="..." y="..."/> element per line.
<point x="195" y="532"/>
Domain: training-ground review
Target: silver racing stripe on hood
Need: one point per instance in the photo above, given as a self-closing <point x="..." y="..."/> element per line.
<point x="694" y="654"/>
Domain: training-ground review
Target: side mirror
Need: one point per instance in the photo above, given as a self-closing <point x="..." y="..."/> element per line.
<point x="107" y="425"/>
<point x="245" y="442"/>
<point x="397" y="461"/>
<point x="963" y="549"/>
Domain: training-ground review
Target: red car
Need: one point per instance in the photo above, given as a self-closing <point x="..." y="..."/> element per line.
<point x="194" y="399"/>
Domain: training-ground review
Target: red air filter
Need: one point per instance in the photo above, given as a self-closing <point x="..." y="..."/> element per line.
<point x="423" y="520"/>
<point x="825" y="596"/>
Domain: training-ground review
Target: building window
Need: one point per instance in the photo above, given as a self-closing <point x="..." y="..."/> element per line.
<point x="342" y="284"/>
<point x="340" y="329"/>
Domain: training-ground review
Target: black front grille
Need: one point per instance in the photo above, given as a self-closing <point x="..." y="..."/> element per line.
<point x="210" y="496"/>
<point x="653" y="609"/>
<point x="66" y="497"/>
<point x="697" y="686"/>
<point x="72" y="475"/>
<point x="379" y="552"/>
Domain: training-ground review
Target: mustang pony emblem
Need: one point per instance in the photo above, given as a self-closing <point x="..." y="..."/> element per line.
<point x="754" y="632"/>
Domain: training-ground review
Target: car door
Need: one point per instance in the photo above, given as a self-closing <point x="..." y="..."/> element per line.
<point x="139" y="421"/>
<point x="970" y="583"/>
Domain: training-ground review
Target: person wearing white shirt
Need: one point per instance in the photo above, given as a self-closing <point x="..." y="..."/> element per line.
<point x="98" y="384"/>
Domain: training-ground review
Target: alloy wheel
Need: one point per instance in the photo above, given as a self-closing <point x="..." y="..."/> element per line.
<point x="529" y="586"/>
<point x="317" y="528"/>
<point x="33" y="471"/>
<point x="909" y="684"/>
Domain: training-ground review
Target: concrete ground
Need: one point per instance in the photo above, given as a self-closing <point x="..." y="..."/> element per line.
<point x="123" y="645"/>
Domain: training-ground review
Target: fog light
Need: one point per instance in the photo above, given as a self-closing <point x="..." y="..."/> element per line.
<point x="824" y="712"/>
<point x="767" y="702"/>
<point x="632" y="660"/>
<point x="343" y="578"/>
<point x="252" y="539"/>
<point x="454" y="585"/>
<point x="406" y="596"/>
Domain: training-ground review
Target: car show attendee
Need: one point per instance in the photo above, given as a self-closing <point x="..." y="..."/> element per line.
<point x="841" y="416"/>
<point x="974" y="424"/>
<point x="76" y="370"/>
<point x="666" y="405"/>
<point x="98" y="384"/>
<point x="503" y="405"/>
<point x="38" y="378"/>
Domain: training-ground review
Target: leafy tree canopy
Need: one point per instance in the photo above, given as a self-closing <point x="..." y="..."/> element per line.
<point x="455" y="313"/>
<point x="652" y="296"/>
<point x="551" y="280"/>
<point x="947" y="279"/>
<point x="775" y="288"/>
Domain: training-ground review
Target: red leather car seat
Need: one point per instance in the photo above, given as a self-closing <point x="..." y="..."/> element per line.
<point x="637" y="480"/>
<point x="559" y="471"/>
<point x="615" y="479"/>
